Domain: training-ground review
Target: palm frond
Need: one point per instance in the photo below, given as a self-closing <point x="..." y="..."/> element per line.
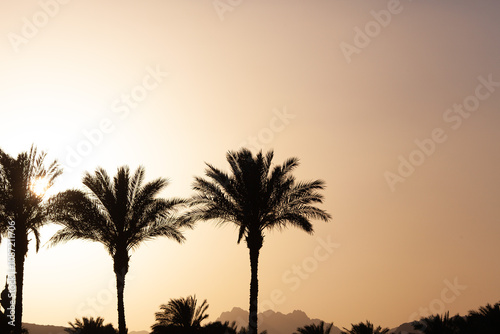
<point x="164" y="227"/>
<point x="135" y="183"/>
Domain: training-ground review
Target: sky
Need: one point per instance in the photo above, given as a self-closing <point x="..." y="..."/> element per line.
<point x="394" y="104"/>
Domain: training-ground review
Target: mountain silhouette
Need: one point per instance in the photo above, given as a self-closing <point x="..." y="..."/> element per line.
<point x="44" y="329"/>
<point x="273" y="322"/>
<point x="405" y="328"/>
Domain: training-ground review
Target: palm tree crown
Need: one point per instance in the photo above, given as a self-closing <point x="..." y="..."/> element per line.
<point x="121" y="214"/>
<point x="443" y="324"/>
<point x="486" y="319"/>
<point x="315" y="329"/>
<point x="181" y="312"/>
<point x="18" y="202"/>
<point x="365" y="328"/>
<point x="256" y="197"/>
<point x="90" y="326"/>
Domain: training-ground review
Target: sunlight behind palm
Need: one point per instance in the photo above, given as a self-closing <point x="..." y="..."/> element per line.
<point x="39" y="186"/>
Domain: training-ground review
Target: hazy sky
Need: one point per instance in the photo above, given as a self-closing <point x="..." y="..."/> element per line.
<point x="394" y="104"/>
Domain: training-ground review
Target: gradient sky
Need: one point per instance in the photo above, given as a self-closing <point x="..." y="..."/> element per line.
<point x="270" y="75"/>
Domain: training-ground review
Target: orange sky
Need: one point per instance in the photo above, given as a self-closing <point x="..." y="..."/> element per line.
<point x="395" y="104"/>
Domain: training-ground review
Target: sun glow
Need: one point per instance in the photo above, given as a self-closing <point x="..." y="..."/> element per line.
<point x="39" y="186"/>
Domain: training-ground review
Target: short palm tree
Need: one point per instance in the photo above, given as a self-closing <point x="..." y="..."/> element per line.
<point x="90" y="326"/>
<point x="315" y="329"/>
<point x="365" y="328"/>
<point x="245" y="330"/>
<point x="440" y="324"/>
<point x="256" y="197"/>
<point x="219" y="328"/>
<point x="121" y="214"/>
<point x="181" y="312"/>
<point x="22" y="210"/>
<point x="485" y="320"/>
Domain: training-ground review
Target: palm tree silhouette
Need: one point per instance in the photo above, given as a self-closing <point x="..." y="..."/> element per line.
<point x="365" y="328"/>
<point x="121" y="214"/>
<point x="244" y="330"/>
<point x="90" y="326"/>
<point x="315" y="329"/>
<point x="440" y="324"/>
<point x="485" y="320"/>
<point x="22" y="211"/>
<point x="219" y="328"/>
<point x="180" y="312"/>
<point x="256" y="197"/>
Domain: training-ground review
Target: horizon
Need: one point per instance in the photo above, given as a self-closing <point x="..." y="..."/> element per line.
<point x="394" y="104"/>
<point x="240" y="322"/>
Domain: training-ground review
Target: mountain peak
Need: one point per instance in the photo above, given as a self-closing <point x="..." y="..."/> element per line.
<point x="273" y="322"/>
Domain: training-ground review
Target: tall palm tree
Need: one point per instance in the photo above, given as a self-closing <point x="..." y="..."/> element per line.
<point x="181" y="312"/>
<point x="121" y="214"/>
<point x="90" y="326"/>
<point x="256" y="197"/>
<point x="22" y="210"/>
<point x="365" y="328"/>
<point x="315" y="329"/>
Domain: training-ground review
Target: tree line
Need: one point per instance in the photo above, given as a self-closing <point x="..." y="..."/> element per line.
<point x="123" y="211"/>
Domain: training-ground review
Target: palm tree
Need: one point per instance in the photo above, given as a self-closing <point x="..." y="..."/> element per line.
<point x="485" y="320"/>
<point x="440" y="324"/>
<point x="363" y="328"/>
<point x="90" y="326"/>
<point x="244" y="330"/>
<point x="219" y="328"/>
<point x="121" y="214"/>
<point x="22" y="210"/>
<point x="180" y="312"/>
<point x="315" y="329"/>
<point x="256" y="197"/>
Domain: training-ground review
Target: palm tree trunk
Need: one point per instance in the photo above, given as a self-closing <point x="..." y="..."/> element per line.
<point x="254" y="289"/>
<point x="120" y="286"/>
<point x="20" y="250"/>
<point x="120" y="266"/>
